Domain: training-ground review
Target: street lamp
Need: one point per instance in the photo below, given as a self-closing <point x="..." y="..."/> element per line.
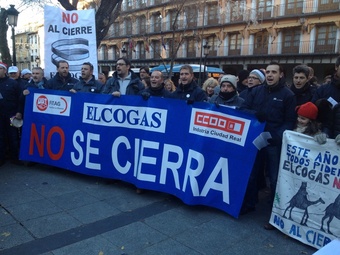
<point x="12" y="19"/>
<point x="37" y="60"/>
<point x="206" y="49"/>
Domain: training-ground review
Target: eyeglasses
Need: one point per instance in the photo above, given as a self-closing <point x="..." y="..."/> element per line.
<point x="252" y="77"/>
<point x="120" y="64"/>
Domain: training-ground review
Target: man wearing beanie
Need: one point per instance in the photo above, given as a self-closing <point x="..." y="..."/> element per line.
<point x="10" y="93"/>
<point x="255" y="78"/>
<point x="274" y="103"/>
<point x="242" y="83"/>
<point x="228" y="92"/>
<point x="331" y="92"/>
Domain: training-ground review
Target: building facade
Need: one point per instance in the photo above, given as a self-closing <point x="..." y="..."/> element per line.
<point x="240" y="35"/>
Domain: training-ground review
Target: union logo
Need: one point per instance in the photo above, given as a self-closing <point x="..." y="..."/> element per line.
<point x="42" y="103"/>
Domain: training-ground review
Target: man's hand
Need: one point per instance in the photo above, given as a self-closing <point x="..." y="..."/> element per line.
<point x="145" y="95"/>
<point x="26" y="92"/>
<point x="73" y="90"/>
<point x="116" y="94"/>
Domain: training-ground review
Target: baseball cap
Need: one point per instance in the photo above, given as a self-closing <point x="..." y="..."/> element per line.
<point x="25" y="71"/>
<point x="13" y="69"/>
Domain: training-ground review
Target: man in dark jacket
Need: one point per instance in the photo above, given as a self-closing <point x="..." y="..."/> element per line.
<point x="301" y="87"/>
<point x="87" y="81"/>
<point x="188" y="88"/>
<point x="274" y="103"/>
<point x="62" y="80"/>
<point x="330" y="93"/>
<point x="124" y="81"/>
<point x="10" y="93"/>
<point x="156" y="86"/>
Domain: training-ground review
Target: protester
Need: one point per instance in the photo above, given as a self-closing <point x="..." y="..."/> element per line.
<point x="102" y="78"/>
<point x="209" y="86"/>
<point x="188" y="88"/>
<point x="256" y="77"/>
<point x="26" y="74"/>
<point x="144" y="72"/>
<point x="124" y="81"/>
<point x="242" y="83"/>
<point x="169" y="85"/>
<point x="274" y="103"/>
<point x="327" y="79"/>
<point x="10" y="92"/>
<point x="38" y="80"/>
<point x="329" y="94"/>
<point x="14" y="73"/>
<point x="146" y="82"/>
<point x="87" y="82"/>
<point x="301" y="87"/>
<point x="228" y="94"/>
<point x="156" y="87"/>
<point x="307" y="122"/>
<point x="62" y="80"/>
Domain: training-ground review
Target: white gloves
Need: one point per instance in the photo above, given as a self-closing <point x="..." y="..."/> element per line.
<point x="321" y="138"/>
<point x="337" y="139"/>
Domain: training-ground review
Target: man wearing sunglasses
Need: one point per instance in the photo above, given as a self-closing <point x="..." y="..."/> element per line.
<point x="124" y="81"/>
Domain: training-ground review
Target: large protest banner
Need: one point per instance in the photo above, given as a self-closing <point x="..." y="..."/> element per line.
<point x="70" y="36"/>
<point x="307" y="198"/>
<point x="200" y="153"/>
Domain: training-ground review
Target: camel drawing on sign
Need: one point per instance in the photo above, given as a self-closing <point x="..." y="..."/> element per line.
<point x="300" y="200"/>
<point x="331" y="211"/>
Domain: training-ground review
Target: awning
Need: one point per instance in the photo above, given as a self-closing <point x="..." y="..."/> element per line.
<point x="286" y="25"/>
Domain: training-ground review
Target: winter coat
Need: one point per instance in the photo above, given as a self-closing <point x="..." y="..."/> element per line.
<point x="134" y="87"/>
<point x="58" y="83"/>
<point x="92" y="86"/>
<point x="234" y="101"/>
<point x="191" y="92"/>
<point x="276" y="104"/>
<point x="304" y="94"/>
<point x="10" y="92"/>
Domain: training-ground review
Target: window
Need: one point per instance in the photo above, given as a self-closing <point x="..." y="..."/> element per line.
<point x="264" y="8"/>
<point x="172" y="18"/>
<point x="261" y="43"/>
<point x="128" y="26"/>
<point x="191" y="48"/>
<point x="157" y="23"/>
<point x="156" y="49"/>
<point x="212" y="15"/>
<point x="325" y="5"/>
<point x="235" y="41"/>
<point x="115" y="29"/>
<point x="294" y="7"/>
<point x="291" y="41"/>
<point x="142" y="25"/>
<point x="326" y="37"/>
<point x="191" y="14"/>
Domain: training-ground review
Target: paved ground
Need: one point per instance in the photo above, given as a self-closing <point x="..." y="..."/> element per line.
<point x="48" y="211"/>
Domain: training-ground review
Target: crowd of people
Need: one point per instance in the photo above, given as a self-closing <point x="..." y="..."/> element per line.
<point x="303" y="106"/>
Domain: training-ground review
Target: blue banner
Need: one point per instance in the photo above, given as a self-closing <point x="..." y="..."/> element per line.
<point x="200" y="153"/>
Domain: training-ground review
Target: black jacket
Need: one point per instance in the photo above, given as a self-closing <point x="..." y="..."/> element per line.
<point x="10" y="100"/>
<point x="92" y="86"/>
<point x="305" y="94"/>
<point x="58" y="83"/>
<point x="191" y="92"/>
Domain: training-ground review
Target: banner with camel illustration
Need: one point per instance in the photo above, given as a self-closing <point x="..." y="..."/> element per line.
<point x="307" y="198"/>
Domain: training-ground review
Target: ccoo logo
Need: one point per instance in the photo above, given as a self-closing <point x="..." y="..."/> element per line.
<point x="42" y="103"/>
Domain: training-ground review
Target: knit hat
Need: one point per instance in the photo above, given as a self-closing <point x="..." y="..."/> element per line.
<point x="3" y="65"/>
<point x="13" y="69"/>
<point x="25" y="71"/>
<point x="307" y="110"/>
<point x="232" y="79"/>
<point x="242" y="75"/>
<point x="258" y="74"/>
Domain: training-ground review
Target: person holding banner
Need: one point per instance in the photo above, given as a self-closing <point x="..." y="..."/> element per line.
<point x="38" y="80"/>
<point x="10" y="93"/>
<point x="156" y="86"/>
<point x="187" y="88"/>
<point x="124" y="81"/>
<point x="87" y="82"/>
<point x="62" y="80"/>
<point x="330" y="94"/>
<point x="274" y="103"/>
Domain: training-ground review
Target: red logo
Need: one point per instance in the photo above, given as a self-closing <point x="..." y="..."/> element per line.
<point x="219" y="122"/>
<point x="42" y="103"/>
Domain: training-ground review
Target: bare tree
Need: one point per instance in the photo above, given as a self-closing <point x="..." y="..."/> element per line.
<point x="4" y="51"/>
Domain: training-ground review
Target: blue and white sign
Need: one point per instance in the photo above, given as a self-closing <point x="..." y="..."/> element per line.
<point x="200" y="153"/>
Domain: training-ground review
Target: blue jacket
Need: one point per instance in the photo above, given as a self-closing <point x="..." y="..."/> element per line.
<point x="58" y="83"/>
<point x="276" y="104"/>
<point x="92" y="86"/>
<point x="190" y="92"/>
<point x="10" y="101"/>
<point x="134" y="87"/>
